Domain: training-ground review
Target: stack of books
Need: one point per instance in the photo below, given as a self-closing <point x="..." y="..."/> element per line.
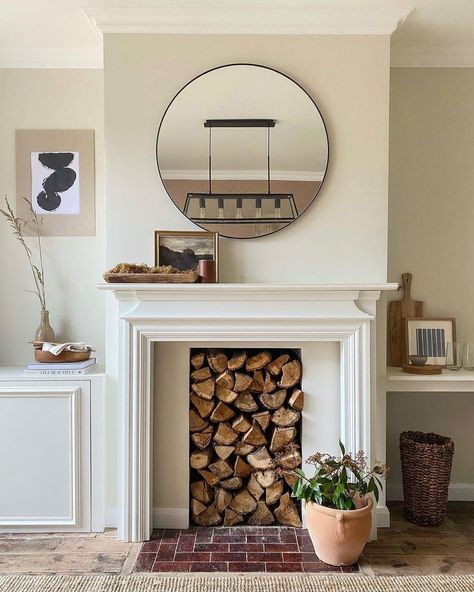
<point x="60" y="369"/>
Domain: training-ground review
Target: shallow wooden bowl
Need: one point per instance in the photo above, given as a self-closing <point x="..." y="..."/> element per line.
<point x="47" y="357"/>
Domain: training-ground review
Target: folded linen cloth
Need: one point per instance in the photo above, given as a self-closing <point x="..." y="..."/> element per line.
<point x="57" y="348"/>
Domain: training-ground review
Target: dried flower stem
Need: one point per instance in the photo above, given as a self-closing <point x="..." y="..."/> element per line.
<point x="17" y="224"/>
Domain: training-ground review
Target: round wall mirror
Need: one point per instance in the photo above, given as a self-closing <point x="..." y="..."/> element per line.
<point x="242" y="150"/>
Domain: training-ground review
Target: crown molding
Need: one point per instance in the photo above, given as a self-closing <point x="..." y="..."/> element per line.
<point x="349" y="19"/>
<point x="61" y="57"/>
<point x="432" y="57"/>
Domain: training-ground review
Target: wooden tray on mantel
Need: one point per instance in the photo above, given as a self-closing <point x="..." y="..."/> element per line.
<point x="188" y="277"/>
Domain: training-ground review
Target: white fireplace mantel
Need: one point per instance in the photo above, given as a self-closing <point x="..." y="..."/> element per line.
<point x="213" y="313"/>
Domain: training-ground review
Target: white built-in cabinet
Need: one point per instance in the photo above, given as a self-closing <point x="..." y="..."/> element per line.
<point x="51" y="452"/>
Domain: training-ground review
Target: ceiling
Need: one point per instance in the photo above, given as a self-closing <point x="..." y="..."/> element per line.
<point x="58" y="33"/>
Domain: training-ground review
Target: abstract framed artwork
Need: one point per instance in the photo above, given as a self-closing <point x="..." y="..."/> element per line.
<point x="184" y="249"/>
<point x="55" y="171"/>
<point x="429" y="337"/>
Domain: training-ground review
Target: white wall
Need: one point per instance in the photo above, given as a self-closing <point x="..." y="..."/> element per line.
<point x="51" y="99"/>
<point x="431" y="228"/>
<point x="348" y="77"/>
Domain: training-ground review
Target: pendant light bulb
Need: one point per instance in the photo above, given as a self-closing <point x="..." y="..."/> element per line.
<point x="239" y="209"/>
<point x="277" y="208"/>
<point x="202" y="207"/>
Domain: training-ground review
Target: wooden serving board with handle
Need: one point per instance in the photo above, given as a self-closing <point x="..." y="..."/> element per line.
<point x="398" y="311"/>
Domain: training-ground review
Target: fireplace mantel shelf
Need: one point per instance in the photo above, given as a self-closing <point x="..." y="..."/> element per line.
<point x="247" y="288"/>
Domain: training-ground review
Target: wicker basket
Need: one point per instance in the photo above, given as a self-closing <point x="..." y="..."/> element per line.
<point x="426" y="471"/>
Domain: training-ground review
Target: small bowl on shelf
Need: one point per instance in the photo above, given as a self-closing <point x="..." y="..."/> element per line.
<point x="418" y="360"/>
<point x="46" y="357"/>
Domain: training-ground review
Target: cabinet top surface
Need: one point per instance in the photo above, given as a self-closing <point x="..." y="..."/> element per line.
<point x="17" y="373"/>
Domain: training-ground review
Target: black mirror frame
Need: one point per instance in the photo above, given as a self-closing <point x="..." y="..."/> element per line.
<point x="294" y="82"/>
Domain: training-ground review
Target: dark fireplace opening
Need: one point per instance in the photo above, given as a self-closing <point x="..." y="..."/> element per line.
<point x="245" y="436"/>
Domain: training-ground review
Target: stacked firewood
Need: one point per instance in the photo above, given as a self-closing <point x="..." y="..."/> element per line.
<point x="244" y="420"/>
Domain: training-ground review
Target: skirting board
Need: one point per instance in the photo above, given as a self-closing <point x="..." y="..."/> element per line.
<point x="162" y="517"/>
<point x="458" y="492"/>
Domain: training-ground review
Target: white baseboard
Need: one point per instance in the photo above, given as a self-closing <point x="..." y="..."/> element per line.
<point x="458" y="492"/>
<point x="382" y="514"/>
<point x="162" y="517"/>
<point x="111" y="517"/>
<point x="170" y="517"/>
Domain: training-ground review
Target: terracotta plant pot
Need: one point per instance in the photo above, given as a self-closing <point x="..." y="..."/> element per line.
<point x="339" y="536"/>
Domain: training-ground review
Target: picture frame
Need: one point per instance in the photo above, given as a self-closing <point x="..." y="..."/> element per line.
<point x="55" y="173"/>
<point x="184" y="249"/>
<point x="429" y="336"/>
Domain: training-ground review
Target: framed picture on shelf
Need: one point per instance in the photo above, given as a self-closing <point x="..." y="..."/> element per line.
<point x="184" y="249"/>
<point x="429" y="337"/>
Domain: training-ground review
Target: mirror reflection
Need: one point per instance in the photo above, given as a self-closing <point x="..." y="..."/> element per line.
<point x="242" y="150"/>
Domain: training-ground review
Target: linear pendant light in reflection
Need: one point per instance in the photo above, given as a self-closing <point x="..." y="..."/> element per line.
<point x="240" y="208"/>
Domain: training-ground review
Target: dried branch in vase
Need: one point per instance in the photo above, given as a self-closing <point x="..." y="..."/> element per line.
<point x="17" y="225"/>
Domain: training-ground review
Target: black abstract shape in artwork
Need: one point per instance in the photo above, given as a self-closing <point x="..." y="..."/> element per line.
<point x="60" y="180"/>
<point x="56" y="160"/>
<point x="48" y="201"/>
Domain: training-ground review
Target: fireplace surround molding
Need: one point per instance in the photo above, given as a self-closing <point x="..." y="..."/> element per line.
<point x="143" y="314"/>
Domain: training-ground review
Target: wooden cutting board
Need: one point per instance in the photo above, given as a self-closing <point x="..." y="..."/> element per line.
<point x="398" y="311"/>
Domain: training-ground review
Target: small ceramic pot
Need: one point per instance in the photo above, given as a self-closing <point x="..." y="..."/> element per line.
<point x="339" y="536"/>
<point x="418" y="360"/>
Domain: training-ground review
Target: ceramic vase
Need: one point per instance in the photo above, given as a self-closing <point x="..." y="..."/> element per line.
<point x="44" y="332"/>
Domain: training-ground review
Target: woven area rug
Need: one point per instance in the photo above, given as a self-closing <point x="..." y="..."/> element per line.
<point x="237" y="583"/>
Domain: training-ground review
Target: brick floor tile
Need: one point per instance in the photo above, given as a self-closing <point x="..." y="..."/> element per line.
<point x="264" y="557"/>
<point x="166" y="552"/>
<point x="194" y="557"/>
<point x="234" y="557"/>
<point x="212" y="566"/>
<point x="171" y="566"/>
<point x="150" y="546"/>
<point x="263" y="538"/>
<point x="281" y="548"/>
<point x="223" y="538"/>
<point x="247" y="547"/>
<point x="170" y="535"/>
<point x="247" y="567"/>
<point x="209" y="547"/>
<point x="284" y="567"/>
<point x="144" y="562"/>
<point x="186" y="542"/>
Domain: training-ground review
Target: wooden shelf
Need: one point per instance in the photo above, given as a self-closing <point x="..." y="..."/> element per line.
<point x="448" y="381"/>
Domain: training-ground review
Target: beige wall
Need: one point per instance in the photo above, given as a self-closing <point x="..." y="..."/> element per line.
<point x="51" y="99"/>
<point x="348" y="77"/>
<point x="431" y="234"/>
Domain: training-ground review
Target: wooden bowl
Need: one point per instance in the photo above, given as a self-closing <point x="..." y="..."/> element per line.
<point x="47" y="357"/>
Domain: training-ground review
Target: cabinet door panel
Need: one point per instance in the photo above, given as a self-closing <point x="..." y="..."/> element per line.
<point x="44" y="456"/>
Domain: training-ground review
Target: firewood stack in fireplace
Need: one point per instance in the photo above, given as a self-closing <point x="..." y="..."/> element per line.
<point x="245" y="425"/>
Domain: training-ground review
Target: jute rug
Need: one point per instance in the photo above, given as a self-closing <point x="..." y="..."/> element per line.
<point x="237" y="583"/>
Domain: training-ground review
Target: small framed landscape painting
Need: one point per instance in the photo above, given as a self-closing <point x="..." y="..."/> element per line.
<point x="429" y="337"/>
<point x="184" y="249"/>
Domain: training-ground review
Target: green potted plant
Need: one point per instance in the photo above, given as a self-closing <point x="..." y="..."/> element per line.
<point x="338" y="504"/>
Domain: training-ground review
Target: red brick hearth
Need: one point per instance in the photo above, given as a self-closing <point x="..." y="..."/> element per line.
<point x="241" y="549"/>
